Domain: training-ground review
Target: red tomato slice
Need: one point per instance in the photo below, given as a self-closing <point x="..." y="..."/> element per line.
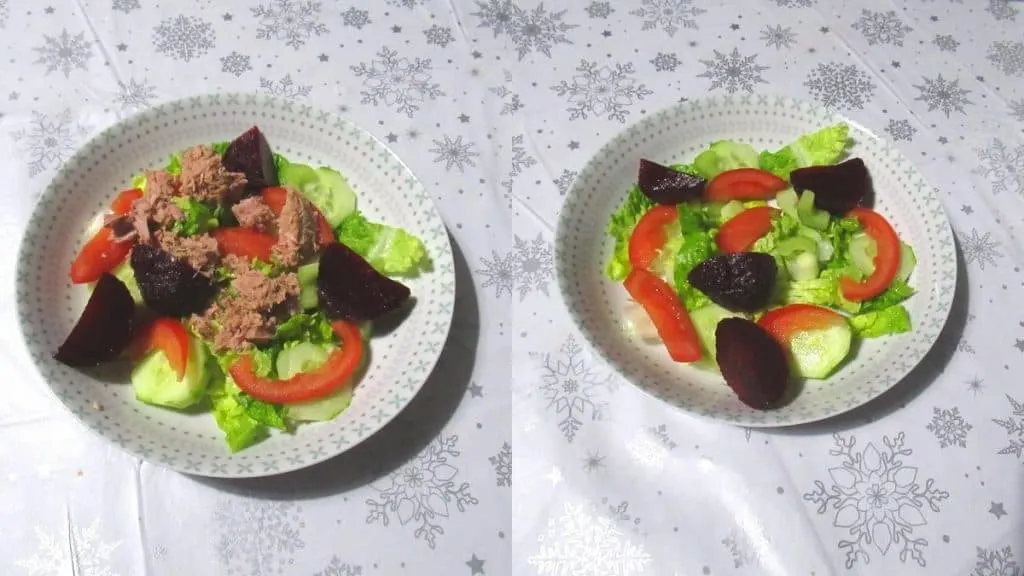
<point x="99" y="255"/>
<point x="744" y="184"/>
<point x="123" y="203"/>
<point x="887" y="258"/>
<point x="340" y="366"/>
<point x="244" y="243"/>
<point x="785" y="322"/>
<point x="740" y="232"/>
<point x="666" y="312"/>
<point x="169" y="336"/>
<point x="275" y="198"/>
<point x="649" y="237"/>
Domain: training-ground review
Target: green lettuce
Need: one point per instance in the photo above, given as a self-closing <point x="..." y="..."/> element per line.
<point x="694" y="246"/>
<point x="620" y="226"/>
<point x="891" y="320"/>
<point x="896" y="293"/>
<point x="824" y="147"/>
<point x="198" y="217"/>
<point x="392" y="251"/>
<point x="784" y="226"/>
<point x="820" y="291"/>
<point x="264" y="413"/>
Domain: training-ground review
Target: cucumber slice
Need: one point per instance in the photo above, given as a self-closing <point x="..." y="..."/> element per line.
<point x="796" y="245"/>
<point x="731" y="209"/>
<point x="816" y="353"/>
<point x="307" y="274"/>
<point x="787" y="200"/>
<point x="322" y="409"/>
<point x="863" y="250"/>
<point x="155" y="381"/>
<point x="327" y="189"/>
<point x="705" y="320"/>
<point x="907" y="262"/>
<point x="303" y="357"/>
<point x="803" y="266"/>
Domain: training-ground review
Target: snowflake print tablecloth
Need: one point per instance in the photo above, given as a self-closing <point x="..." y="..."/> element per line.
<point x="532" y="456"/>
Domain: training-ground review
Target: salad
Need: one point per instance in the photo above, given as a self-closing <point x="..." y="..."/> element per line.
<point x="767" y="266"/>
<point x="237" y="282"/>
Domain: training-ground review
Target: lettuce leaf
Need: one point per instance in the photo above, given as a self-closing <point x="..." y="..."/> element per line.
<point x="198" y="217"/>
<point x="392" y="251"/>
<point x="891" y="320"/>
<point x="824" y="147"/>
<point x="897" y="292"/>
<point x="620" y="226"/>
<point x="695" y="247"/>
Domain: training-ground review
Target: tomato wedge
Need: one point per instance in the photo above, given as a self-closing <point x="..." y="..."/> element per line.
<point x="649" y="236"/>
<point x="340" y="366"/>
<point x="887" y="258"/>
<point x="785" y="322"/>
<point x="101" y="254"/>
<point x="167" y="335"/>
<point x="123" y="203"/>
<point x="740" y="232"/>
<point x="275" y="197"/>
<point x="744" y="184"/>
<point x="667" y="314"/>
<point x="244" y="243"/>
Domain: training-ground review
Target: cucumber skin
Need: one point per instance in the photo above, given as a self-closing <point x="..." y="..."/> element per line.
<point x="174" y="393"/>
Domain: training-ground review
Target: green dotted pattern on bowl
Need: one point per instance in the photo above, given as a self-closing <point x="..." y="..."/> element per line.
<point x="48" y="305"/>
<point x="676" y="135"/>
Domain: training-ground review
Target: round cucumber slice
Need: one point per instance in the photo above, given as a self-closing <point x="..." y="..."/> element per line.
<point x="154" y="380"/>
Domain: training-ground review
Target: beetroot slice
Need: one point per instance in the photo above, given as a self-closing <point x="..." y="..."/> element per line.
<point x="250" y="154"/>
<point x="664" y="185"/>
<point x="739" y="281"/>
<point x="351" y="290"/>
<point x="837" y="189"/>
<point x="752" y="362"/>
<point x="104" y="329"/>
<point x="169" y="285"/>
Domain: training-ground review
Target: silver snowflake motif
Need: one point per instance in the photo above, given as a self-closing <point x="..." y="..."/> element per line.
<point x="795" y="3"/>
<point x="942" y="94"/>
<point x="82" y="552"/>
<point x="521" y="159"/>
<point x="669" y="15"/>
<point x="665" y="62"/>
<point x="338" y="568"/>
<point x="1017" y="109"/>
<point x="837" y="85"/>
<point x="235" y="63"/>
<point x="599" y="9"/>
<point x="620" y="513"/>
<point x="4" y="13"/>
<point x="976" y="385"/>
<point x="1002" y="166"/>
<point x="900" y="130"/>
<point x="257" y="538"/>
<point x="1007" y="56"/>
<point x="877" y="498"/>
<point x="881" y="27"/>
<point x="582" y="542"/>
<point x="502" y="464"/>
<point x="949" y="427"/>
<point x="778" y="37"/>
<point x="397" y="81"/>
<point x="64" y="52"/>
<point x="510" y="100"/>
<point x="185" y="38"/>
<point x="945" y="42"/>
<point x="733" y="72"/>
<point x="49" y="141"/>
<point x="126" y="6"/>
<point x="565" y="180"/>
<point x="294" y="22"/>
<point x="134" y="95"/>
<point x="525" y="269"/>
<point x="601" y="91"/>
<point x="650" y="447"/>
<point x="439" y="35"/>
<point x="592" y="462"/>
<point x="980" y="249"/>
<point x="355" y="18"/>
<point x="423" y="492"/>
<point x="1002" y="10"/>
<point x="531" y="31"/>
<point x="740" y="549"/>
<point x="573" y="389"/>
<point x="285" y="87"/>
<point x="405" y="3"/>
<point x="453" y="153"/>
<point x="996" y="563"/>
<point x="1014" y="425"/>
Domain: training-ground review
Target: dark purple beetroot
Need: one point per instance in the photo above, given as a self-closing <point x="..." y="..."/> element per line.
<point x="104" y="329"/>
<point x="837" y="189"/>
<point x="170" y="286"/>
<point x="350" y="289"/>
<point x="739" y="281"/>
<point x="250" y="154"/>
<point x="664" y="185"/>
<point x="752" y="362"/>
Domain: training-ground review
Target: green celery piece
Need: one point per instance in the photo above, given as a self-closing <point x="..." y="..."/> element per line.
<point x="883" y="322"/>
<point x="809" y="215"/>
<point x="724" y="155"/>
<point x="391" y="251"/>
<point x="620" y="226"/>
<point x="824" y="147"/>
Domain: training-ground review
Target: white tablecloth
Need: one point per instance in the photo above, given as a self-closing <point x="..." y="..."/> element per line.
<point x="529" y="456"/>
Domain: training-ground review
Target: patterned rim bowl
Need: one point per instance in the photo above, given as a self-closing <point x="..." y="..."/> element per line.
<point x="49" y="305"/>
<point x="677" y="134"/>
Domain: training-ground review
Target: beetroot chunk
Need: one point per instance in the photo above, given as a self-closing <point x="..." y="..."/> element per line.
<point x="664" y="185"/>
<point x="752" y="362"/>
<point x="169" y="285"/>
<point x="351" y="290"/>
<point x="104" y="329"/>
<point x="837" y="189"/>
<point x="739" y="281"/>
<point x="250" y="154"/>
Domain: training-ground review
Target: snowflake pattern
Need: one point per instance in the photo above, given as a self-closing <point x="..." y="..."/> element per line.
<point x="949" y="427"/>
<point x="900" y="130"/>
<point x="881" y="27"/>
<point x="64" y="52"/>
<point x="1002" y="166"/>
<point x="669" y="15"/>
<point x="405" y="3"/>
<point x="1017" y="109"/>
<point x="996" y="563"/>
<point x="439" y="36"/>
<point x="838" y="85"/>
<point x="1014" y="426"/>
<point x="397" y="81"/>
<point x="601" y="91"/>
<point x="565" y="180"/>
<point x="1002" y="10"/>
<point x="572" y="387"/>
<point x="291" y="21"/>
<point x="740" y="549"/>
<point x="733" y="72"/>
<point x="356" y="18"/>
<point x="945" y="42"/>
<point x="649" y="447"/>
<point x="778" y="37"/>
<point x="665" y="62"/>
<point x="531" y="31"/>
<point x="235" y="64"/>
<point x="454" y="153"/>
<point x="338" y="568"/>
<point x="285" y="87"/>
<point x="511" y="102"/>
<point x="502" y="464"/>
<point x="526" y="268"/>
<point x="795" y="3"/>
<point x="877" y="499"/>
<point x="582" y="542"/>
<point x="980" y="249"/>
<point x="423" y="492"/>
<point x="4" y="12"/>
<point x="257" y="538"/>
<point x="521" y="160"/>
<point x="49" y="141"/>
<point x="599" y="10"/>
<point x="184" y="37"/>
<point x="126" y="6"/>
<point x="942" y="94"/>
<point x="134" y="95"/>
<point x="82" y="552"/>
<point x="1007" y="56"/>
